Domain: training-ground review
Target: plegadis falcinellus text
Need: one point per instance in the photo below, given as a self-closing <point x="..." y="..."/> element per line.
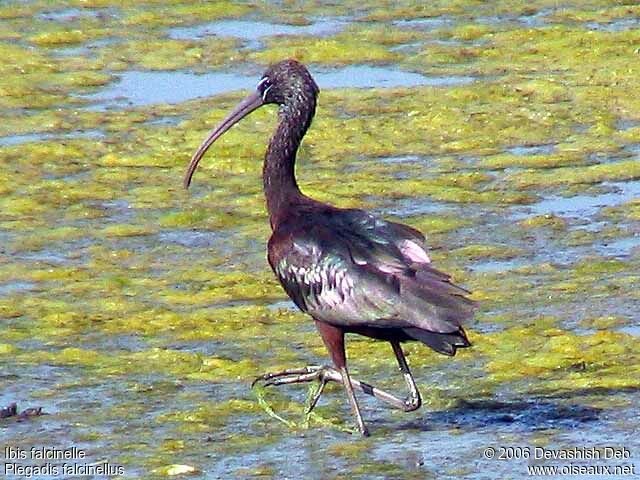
<point x="352" y="272"/>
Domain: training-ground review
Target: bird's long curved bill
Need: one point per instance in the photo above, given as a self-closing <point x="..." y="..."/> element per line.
<point x="243" y="109"/>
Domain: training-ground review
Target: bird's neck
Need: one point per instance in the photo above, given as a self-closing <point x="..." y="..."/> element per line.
<point x="278" y="175"/>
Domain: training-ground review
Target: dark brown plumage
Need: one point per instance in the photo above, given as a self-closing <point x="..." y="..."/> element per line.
<point x="350" y="271"/>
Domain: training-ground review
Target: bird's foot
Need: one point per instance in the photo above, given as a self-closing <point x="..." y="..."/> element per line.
<point x="299" y="375"/>
<point x="322" y="374"/>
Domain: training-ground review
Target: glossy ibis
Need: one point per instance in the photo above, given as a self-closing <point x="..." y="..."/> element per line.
<point x="352" y="272"/>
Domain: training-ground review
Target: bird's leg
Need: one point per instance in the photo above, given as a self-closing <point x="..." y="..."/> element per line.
<point x="323" y="374"/>
<point x="310" y="373"/>
<point x="348" y="387"/>
<point x="333" y="338"/>
<point x="413" y="400"/>
<point x="410" y="403"/>
<point x="300" y="375"/>
<point x="335" y="343"/>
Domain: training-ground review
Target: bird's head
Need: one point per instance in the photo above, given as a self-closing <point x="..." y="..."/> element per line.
<point x="287" y="83"/>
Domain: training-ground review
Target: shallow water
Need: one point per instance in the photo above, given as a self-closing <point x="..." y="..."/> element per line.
<point x="425" y="23"/>
<point x="137" y="314"/>
<point x="148" y="88"/>
<point x="68" y="14"/>
<point x="587" y="205"/>
<point x="250" y="31"/>
<point x="531" y="149"/>
<point x="615" y="26"/>
<point x="34" y="137"/>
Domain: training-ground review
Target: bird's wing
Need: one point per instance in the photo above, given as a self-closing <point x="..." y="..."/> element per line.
<point x="406" y="242"/>
<point x="349" y="268"/>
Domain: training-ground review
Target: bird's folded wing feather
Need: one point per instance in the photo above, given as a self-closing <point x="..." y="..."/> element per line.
<point x="350" y="268"/>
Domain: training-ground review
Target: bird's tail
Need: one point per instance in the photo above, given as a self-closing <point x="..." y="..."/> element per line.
<point x="446" y="343"/>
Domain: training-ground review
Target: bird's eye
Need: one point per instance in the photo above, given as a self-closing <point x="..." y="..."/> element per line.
<point x="263" y="86"/>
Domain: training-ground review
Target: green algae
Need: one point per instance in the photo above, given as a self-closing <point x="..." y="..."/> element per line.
<point x="17" y="11"/>
<point x="375" y="34"/>
<point x="125" y="230"/>
<point x="19" y="59"/>
<point x="502" y="161"/>
<point x="174" y="363"/>
<point x="109" y="282"/>
<point x="491" y="251"/>
<point x="604" y="323"/>
<point x="404" y="11"/>
<point x="595" y="15"/>
<point x="627" y="211"/>
<point x="177" y="14"/>
<point x="547" y="221"/>
<point x="330" y="51"/>
<point x="48" y="39"/>
<point x="623" y="170"/>
<point x="7" y="349"/>
<point x="211" y="413"/>
<point x="435" y="224"/>
<point x="554" y="352"/>
<point x="175" y="469"/>
<point x="165" y="54"/>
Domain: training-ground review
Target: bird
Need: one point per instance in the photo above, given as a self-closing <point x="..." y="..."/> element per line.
<point x="349" y="270"/>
